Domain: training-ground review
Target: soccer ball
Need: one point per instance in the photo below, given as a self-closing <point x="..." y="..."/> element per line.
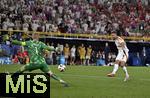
<point x="61" y="68"/>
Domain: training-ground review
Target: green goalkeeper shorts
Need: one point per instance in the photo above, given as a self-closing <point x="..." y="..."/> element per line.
<point x="34" y="66"/>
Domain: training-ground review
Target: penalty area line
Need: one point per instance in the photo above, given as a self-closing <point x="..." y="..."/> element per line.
<point x="99" y="77"/>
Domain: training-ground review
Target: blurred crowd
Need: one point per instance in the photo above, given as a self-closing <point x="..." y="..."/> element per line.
<point x="76" y="16"/>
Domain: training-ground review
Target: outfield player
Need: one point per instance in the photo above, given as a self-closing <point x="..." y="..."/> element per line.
<point x="88" y="54"/>
<point x="122" y="56"/>
<point x="82" y="52"/>
<point x="35" y="50"/>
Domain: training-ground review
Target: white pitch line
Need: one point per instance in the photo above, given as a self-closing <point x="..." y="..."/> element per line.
<point x="99" y="77"/>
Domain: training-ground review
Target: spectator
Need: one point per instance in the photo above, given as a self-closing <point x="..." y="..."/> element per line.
<point x="25" y="26"/>
<point x="35" y="26"/>
<point x="93" y="57"/>
<point x="59" y="51"/>
<point x="22" y="56"/>
<point x="106" y="51"/>
<point x="15" y="60"/>
<point x="52" y="54"/>
<point x="72" y="55"/>
<point x="49" y="55"/>
<point x="100" y="59"/>
<point x="111" y="59"/>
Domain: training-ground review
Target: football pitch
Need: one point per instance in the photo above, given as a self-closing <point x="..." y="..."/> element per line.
<point x="92" y="82"/>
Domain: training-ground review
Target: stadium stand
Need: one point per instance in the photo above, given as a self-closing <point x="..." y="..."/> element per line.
<point x="76" y="16"/>
<point x="76" y="19"/>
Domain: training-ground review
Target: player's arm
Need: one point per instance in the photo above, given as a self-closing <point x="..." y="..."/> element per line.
<point x="16" y="42"/>
<point x="121" y="41"/>
<point x="49" y="48"/>
<point x="122" y="44"/>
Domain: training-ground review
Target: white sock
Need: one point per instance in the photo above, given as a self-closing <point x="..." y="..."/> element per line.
<point x="115" y="68"/>
<point x="125" y="70"/>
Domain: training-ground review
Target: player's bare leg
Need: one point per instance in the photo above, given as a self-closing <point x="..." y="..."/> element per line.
<point x="116" y="66"/>
<point x="72" y="60"/>
<point x="88" y="61"/>
<point x="57" y="78"/>
<point x="123" y="65"/>
<point x="83" y="61"/>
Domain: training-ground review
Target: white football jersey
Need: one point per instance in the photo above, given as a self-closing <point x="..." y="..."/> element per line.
<point x="118" y="42"/>
<point x="73" y="51"/>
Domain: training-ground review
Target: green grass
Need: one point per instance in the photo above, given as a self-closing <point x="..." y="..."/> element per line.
<point x="92" y="82"/>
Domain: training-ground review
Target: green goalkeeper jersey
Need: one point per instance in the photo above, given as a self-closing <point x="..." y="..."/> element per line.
<point x="35" y="49"/>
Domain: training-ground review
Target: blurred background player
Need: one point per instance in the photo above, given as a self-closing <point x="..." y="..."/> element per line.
<point x="59" y="50"/>
<point x="88" y="54"/>
<point x="49" y="55"/>
<point x="72" y="55"/>
<point x="122" y="56"/>
<point x="82" y="52"/>
<point x="35" y="50"/>
<point x="106" y="52"/>
<point x="66" y="53"/>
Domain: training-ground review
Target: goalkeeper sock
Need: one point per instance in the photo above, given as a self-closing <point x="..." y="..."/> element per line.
<point x="54" y="76"/>
<point x="58" y="79"/>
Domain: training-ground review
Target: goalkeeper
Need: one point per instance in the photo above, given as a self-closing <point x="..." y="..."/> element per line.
<point x="35" y="49"/>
